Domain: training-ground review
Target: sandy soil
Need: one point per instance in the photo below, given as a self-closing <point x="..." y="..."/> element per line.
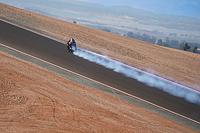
<point x="33" y="99"/>
<point x="181" y="66"/>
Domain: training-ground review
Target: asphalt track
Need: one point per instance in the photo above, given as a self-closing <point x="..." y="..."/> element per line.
<point x="56" y="53"/>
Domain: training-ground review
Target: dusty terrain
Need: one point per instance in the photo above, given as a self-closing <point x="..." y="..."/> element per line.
<point x="181" y="66"/>
<point x="32" y="101"/>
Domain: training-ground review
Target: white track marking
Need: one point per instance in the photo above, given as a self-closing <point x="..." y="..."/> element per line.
<point x="122" y="92"/>
<point x="95" y="80"/>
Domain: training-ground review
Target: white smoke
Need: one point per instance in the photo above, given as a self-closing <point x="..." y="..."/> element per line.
<point x="149" y="80"/>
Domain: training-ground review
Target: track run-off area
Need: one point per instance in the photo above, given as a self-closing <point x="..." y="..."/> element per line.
<point x="53" y="52"/>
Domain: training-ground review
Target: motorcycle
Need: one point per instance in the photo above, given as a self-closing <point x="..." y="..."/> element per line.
<point x="71" y="47"/>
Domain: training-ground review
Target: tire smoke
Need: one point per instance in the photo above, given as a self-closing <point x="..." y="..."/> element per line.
<point x="149" y="80"/>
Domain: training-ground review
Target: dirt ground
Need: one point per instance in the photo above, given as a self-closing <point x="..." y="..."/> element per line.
<point x="33" y="99"/>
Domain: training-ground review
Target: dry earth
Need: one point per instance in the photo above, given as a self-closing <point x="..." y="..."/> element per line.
<point x="181" y="66"/>
<point x="33" y="99"/>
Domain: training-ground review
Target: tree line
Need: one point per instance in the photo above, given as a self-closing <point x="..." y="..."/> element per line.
<point x="183" y="45"/>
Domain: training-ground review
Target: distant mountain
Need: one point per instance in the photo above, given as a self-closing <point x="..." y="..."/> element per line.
<point x="177" y="7"/>
<point x="116" y="15"/>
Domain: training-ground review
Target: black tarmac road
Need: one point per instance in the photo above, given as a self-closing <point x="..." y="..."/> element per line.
<point x="56" y="53"/>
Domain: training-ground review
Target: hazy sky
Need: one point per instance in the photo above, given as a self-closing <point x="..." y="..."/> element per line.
<point x="176" y="7"/>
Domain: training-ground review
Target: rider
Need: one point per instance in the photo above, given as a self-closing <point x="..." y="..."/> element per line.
<point x="71" y="42"/>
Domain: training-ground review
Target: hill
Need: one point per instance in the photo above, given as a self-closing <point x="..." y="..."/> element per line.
<point x="33" y="99"/>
